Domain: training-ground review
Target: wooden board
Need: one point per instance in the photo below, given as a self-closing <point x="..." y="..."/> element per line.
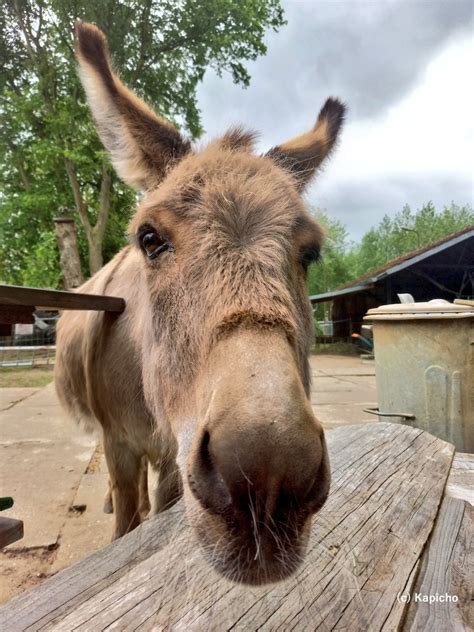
<point x="365" y="548"/>
<point x="460" y="483"/>
<point x="11" y="530"/>
<point x="54" y="299"/>
<point x="446" y="574"/>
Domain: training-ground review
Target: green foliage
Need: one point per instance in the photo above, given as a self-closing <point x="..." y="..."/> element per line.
<point x="331" y="270"/>
<point x="342" y="261"/>
<point x="42" y="267"/>
<point x="162" y="49"/>
<point x="406" y="231"/>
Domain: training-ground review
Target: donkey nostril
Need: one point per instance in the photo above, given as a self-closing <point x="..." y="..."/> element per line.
<point x="204" y="456"/>
<point x="206" y="481"/>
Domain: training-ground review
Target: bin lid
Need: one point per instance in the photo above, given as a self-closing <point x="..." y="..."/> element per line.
<point x="435" y="309"/>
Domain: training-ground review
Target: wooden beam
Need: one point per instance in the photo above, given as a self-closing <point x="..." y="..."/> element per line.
<point x="11" y="530"/>
<point x="54" y="299"/>
<point x="335" y="294"/>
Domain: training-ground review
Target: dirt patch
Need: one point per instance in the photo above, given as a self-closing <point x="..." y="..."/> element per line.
<point x="94" y="463"/>
<point x="23" y="569"/>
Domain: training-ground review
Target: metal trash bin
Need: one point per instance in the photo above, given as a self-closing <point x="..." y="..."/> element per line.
<point x="424" y="366"/>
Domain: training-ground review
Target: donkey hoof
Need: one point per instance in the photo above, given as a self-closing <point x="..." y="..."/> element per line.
<point x="145" y="513"/>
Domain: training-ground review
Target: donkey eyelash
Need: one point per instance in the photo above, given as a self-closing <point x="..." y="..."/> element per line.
<point x="152" y="242"/>
<point x="310" y="254"/>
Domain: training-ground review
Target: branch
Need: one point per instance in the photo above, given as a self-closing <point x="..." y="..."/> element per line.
<point x="440" y="286"/>
<point x="37" y="37"/>
<point x="20" y="165"/>
<point x="104" y="201"/>
<point x="166" y="47"/>
<point x="38" y="58"/>
<point x="24" y="175"/>
<point x="81" y="206"/>
<point x="144" y="39"/>
<point x="26" y="33"/>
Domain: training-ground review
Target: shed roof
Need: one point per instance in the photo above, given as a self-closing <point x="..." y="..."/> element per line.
<point x="366" y="281"/>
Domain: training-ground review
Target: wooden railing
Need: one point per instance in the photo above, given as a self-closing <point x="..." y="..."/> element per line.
<point x="17" y="304"/>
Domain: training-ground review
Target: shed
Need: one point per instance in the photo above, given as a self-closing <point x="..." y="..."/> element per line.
<point x="443" y="269"/>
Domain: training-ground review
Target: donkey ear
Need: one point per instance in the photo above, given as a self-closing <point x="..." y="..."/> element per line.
<point x="302" y="155"/>
<point x="142" y="145"/>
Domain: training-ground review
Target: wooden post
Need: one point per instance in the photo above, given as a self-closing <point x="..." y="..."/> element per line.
<point x="68" y="252"/>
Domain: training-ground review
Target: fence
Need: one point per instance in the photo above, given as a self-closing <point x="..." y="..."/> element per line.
<point x="30" y="306"/>
<point x="29" y="355"/>
<point x="30" y="345"/>
<point x="326" y="330"/>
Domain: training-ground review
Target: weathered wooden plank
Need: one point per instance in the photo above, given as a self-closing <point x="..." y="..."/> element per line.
<point x="55" y="299"/>
<point x="460" y="482"/>
<point x="87" y="578"/>
<point x="11" y="530"/>
<point x="441" y="598"/>
<point x="365" y="546"/>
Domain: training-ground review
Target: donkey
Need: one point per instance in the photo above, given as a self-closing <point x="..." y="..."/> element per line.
<point x="206" y="371"/>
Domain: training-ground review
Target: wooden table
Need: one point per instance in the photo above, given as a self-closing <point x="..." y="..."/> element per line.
<point x="390" y="528"/>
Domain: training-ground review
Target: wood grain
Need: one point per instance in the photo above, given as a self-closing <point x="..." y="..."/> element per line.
<point x="365" y="547"/>
<point x="460" y="483"/>
<point x="446" y="573"/>
<point x="54" y="299"/>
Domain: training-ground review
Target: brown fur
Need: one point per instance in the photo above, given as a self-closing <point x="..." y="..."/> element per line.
<point x="206" y="371"/>
<point x="303" y="155"/>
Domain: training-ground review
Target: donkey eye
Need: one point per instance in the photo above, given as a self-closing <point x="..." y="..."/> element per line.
<point x="152" y="243"/>
<point x="309" y="255"/>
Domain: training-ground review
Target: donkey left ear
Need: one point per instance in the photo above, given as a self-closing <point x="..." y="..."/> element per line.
<point x="302" y="155"/>
<point x="142" y="145"/>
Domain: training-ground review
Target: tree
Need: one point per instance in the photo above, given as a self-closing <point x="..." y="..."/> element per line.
<point x="342" y="261"/>
<point x="404" y="232"/>
<point x="50" y="154"/>
<point x="332" y="269"/>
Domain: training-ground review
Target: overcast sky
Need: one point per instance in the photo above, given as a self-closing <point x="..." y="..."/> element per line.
<point x="405" y="68"/>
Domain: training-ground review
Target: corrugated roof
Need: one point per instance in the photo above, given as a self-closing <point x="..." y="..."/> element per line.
<point x="395" y="265"/>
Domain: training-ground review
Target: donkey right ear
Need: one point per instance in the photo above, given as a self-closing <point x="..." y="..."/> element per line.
<point x="142" y="145"/>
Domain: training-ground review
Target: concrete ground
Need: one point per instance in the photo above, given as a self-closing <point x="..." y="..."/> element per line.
<point x="58" y="478"/>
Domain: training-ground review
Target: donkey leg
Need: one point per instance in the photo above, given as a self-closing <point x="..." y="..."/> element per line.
<point x="124" y="473"/>
<point x="169" y="487"/>
<point x="144" y="499"/>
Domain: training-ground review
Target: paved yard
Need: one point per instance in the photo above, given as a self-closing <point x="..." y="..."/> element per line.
<point x="342" y="387"/>
<point x="58" y="478"/>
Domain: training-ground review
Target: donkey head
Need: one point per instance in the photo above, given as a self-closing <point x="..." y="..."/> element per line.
<point x="225" y="242"/>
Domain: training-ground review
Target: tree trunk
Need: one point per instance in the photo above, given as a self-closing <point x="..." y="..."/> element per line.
<point x="95" y="234"/>
<point x="95" y="254"/>
<point x="68" y="252"/>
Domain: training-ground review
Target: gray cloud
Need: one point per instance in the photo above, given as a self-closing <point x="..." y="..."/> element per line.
<point x="368" y="53"/>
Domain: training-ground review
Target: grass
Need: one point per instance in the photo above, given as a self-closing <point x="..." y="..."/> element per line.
<point x="21" y="377"/>
<point x="335" y="348"/>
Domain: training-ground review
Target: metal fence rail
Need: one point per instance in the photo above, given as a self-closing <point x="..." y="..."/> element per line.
<point x="31" y="355"/>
